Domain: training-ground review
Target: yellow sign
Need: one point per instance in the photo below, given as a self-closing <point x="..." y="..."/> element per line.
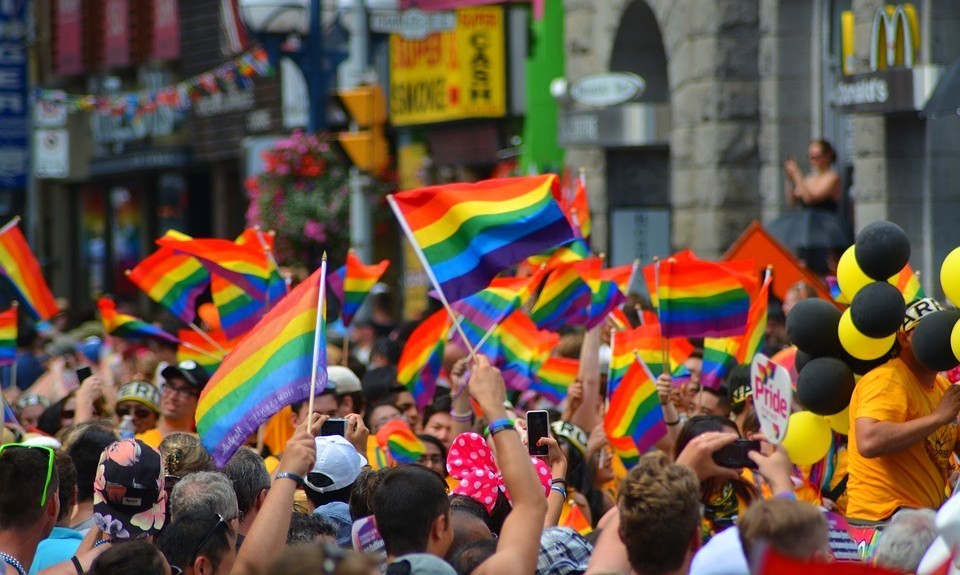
<point x="411" y="165"/>
<point x="894" y="38"/>
<point x="450" y="75"/>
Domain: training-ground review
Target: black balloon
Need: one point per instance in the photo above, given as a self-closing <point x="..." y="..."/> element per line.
<point x="931" y="340"/>
<point x="825" y="386"/>
<point x="812" y="327"/>
<point x="862" y="366"/>
<point x="877" y="310"/>
<point x="801" y="359"/>
<point x="882" y="249"/>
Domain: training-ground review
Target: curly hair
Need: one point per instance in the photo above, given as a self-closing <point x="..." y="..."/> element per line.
<point x="659" y="514"/>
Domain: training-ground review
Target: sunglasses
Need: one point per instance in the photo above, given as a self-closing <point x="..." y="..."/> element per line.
<point x="207" y="537"/>
<point x="139" y="413"/>
<point x="50" y="458"/>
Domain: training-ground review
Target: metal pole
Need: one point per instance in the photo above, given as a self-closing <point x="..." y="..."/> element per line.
<point x="313" y="69"/>
<point x="360" y="227"/>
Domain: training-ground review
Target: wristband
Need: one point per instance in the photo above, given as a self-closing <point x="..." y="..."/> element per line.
<point x="497" y="426"/>
<point x="465" y="417"/>
<point x="560" y="490"/>
<point x="296" y="478"/>
<point x="672" y="423"/>
<point x="558" y="481"/>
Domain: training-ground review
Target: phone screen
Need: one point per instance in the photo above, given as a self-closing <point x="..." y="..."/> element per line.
<point x="538" y="425"/>
<point x="334" y="426"/>
<point x="83" y="373"/>
<point x="734" y="455"/>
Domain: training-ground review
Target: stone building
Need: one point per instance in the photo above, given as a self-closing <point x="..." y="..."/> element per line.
<point x="748" y="83"/>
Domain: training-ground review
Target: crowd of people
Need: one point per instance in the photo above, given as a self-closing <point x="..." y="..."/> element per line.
<point x="106" y="475"/>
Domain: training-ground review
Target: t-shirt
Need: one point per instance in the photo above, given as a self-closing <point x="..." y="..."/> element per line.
<point x="151" y="437"/>
<point x="915" y="477"/>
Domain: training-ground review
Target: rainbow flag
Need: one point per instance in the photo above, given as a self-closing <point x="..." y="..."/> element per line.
<point x="570" y="252"/>
<point x="522" y="349"/>
<point x="634" y="409"/>
<point x="468" y="233"/>
<point x="835" y="292"/>
<point x="126" y="326"/>
<point x="603" y="302"/>
<point x="625" y="449"/>
<point x="719" y="357"/>
<point x="489" y="306"/>
<point x="20" y="267"/>
<point x="704" y="299"/>
<point x="572" y="517"/>
<point x="622" y="276"/>
<point x="244" y="265"/>
<point x="752" y="341"/>
<point x="352" y="282"/>
<point x="276" y="286"/>
<point x="172" y="280"/>
<point x="191" y="344"/>
<point x="567" y="295"/>
<point x="554" y="377"/>
<point x="575" y="204"/>
<point x="646" y="342"/>
<point x="422" y="357"/>
<point x="908" y="284"/>
<point x="398" y="440"/>
<point x="238" y="311"/>
<point x="8" y="336"/>
<point x="268" y="370"/>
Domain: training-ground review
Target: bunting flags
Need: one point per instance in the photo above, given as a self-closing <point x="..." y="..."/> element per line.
<point x="270" y="369"/>
<point x="352" y="282"/>
<point x="468" y="233"/>
<point x="20" y="267"/>
<point x="126" y="326"/>
<point x="422" y="357"/>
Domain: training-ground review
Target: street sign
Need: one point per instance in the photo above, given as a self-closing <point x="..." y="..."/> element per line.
<point x="602" y="90"/>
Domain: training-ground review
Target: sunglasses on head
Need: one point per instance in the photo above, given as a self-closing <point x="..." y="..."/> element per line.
<point x="139" y="412"/>
<point x="50" y="458"/>
<point x="207" y="537"/>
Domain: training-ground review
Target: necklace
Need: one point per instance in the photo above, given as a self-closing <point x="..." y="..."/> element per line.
<point x="12" y="561"/>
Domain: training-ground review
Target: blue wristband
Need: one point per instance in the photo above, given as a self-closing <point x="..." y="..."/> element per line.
<point x="559" y="490"/>
<point x="498" y="425"/>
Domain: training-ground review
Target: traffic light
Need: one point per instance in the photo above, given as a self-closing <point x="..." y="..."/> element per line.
<point x="366" y="146"/>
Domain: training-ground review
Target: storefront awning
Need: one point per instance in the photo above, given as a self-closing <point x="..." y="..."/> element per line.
<point x="945" y="100"/>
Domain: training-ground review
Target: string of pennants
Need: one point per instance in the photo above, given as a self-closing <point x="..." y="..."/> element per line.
<point x="229" y="76"/>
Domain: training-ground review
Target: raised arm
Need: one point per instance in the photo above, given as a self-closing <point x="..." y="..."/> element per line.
<point x="587" y="416"/>
<point x="519" y="541"/>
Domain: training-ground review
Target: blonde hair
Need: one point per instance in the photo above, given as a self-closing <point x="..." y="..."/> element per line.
<point x="183" y="454"/>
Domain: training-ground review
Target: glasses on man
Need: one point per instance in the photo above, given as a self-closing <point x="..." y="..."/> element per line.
<point x="139" y="413"/>
<point x="50" y="458"/>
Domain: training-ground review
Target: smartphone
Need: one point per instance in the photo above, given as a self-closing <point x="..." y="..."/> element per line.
<point x="538" y="425"/>
<point x="734" y="455"/>
<point x="334" y="426"/>
<point x="83" y="373"/>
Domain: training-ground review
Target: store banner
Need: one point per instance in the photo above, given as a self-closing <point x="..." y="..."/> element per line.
<point x="69" y="48"/>
<point x="450" y="75"/>
<point x="14" y="117"/>
<point x="116" y="29"/>
<point x="166" y="30"/>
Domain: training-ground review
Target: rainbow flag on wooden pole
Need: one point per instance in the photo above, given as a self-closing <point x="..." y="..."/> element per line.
<point x="126" y="326"/>
<point x="353" y="282"/>
<point x="634" y="409"/>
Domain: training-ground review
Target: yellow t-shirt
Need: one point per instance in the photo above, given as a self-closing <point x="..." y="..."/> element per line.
<point x="915" y="477"/>
<point x="151" y="437"/>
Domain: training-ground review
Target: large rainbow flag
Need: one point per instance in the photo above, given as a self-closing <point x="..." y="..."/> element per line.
<point x="704" y="299"/>
<point x="422" y="357"/>
<point x="20" y="267"/>
<point x="126" y="326"/>
<point x="270" y="369"/>
<point x="172" y="280"/>
<point x="634" y="410"/>
<point x="8" y="336"/>
<point x="553" y="378"/>
<point x="352" y="282"/>
<point x="468" y="233"/>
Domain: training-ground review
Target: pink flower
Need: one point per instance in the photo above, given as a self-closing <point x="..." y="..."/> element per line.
<point x="315" y="231"/>
<point x="124" y="453"/>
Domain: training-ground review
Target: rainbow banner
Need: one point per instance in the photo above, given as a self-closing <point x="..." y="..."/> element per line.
<point x="20" y="267"/>
<point x="466" y="234"/>
<point x="269" y="369"/>
<point x="8" y="336"/>
<point x="244" y="265"/>
<point x="422" y="357"/>
<point x="352" y="282"/>
<point x="567" y="295"/>
<point x="196" y="348"/>
<point x="553" y="378"/>
<point x="172" y="280"/>
<point x="126" y="326"/>
<point x="646" y="342"/>
<point x="704" y="299"/>
<point x="399" y="441"/>
<point x="908" y="284"/>
<point x="634" y="409"/>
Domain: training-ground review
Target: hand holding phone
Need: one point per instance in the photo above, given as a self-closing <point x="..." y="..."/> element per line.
<point x="538" y="425"/>
<point x="734" y="455"/>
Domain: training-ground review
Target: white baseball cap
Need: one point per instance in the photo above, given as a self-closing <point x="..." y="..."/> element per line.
<point x="337" y="461"/>
<point x="343" y="380"/>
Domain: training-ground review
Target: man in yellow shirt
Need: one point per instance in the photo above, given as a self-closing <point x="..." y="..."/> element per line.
<point x="178" y="401"/>
<point x="903" y="430"/>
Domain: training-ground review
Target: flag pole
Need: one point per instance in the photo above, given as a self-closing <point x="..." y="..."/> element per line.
<point x="197" y="349"/>
<point x="346" y="350"/>
<point x="207" y="337"/>
<point x="426" y="266"/>
<point x="664" y="344"/>
<point x="321" y="310"/>
<point x="633" y="275"/>
<point x="10" y="224"/>
<point x="270" y="256"/>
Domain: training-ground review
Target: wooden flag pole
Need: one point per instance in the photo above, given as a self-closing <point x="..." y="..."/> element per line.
<point x="344" y="361"/>
<point x="10" y="224"/>
<point x="433" y="278"/>
<point x="664" y="344"/>
<point x="316" y="339"/>
<point x="197" y="349"/>
<point x="207" y="337"/>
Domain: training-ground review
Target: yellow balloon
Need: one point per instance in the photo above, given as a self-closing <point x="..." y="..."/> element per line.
<point x="840" y="422"/>
<point x="859" y="345"/>
<point x="808" y="438"/>
<point x="950" y="276"/>
<point x="955" y="340"/>
<point x="849" y="275"/>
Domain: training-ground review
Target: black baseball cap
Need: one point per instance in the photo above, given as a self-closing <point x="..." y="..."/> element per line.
<point x="189" y="371"/>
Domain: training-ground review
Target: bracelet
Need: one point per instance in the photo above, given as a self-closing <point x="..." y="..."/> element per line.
<point x="465" y="417"/>
<point x="560" y="490"/>
<point x="558" y="481"/>
<point x="672" y="423"/>
<point x="498" y="425"/>
<point x="296" y="478"/>
<point x="102" y="542"/>
<point x="459" y="392"/>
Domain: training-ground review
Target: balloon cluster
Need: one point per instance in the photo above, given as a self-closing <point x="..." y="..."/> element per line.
<point x="834" y="346"/>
